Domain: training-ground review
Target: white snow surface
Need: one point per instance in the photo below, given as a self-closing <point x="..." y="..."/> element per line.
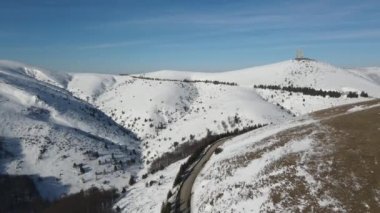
<point x="369" y="73"/>
<point x="164" y="112"/>
<point x="215" y="191"/>
<point x="45" y="130"/>
<point x="190" y="108"/>
<point x="148" y="195"/>
<point x="71" y="113"/>
<point x="313" y="74"/>
<point x="56" y="78"/>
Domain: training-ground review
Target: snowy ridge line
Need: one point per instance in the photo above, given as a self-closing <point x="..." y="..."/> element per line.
<point x="163" y="110"/>
<point x="186" y="80"/>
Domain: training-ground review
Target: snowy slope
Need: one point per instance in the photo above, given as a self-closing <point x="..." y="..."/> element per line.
<point x="301" y="104"/>
<point x="304" y="73"/>
<point x="76" y="114"/>
<point x="164" y="112"/>
<point x="45" y="130"/>
<point x="305" y="165"/>
<point x="54" y="78"/>
<point x="158" y="185"/>
<point x="223" y="173"/>
<point x="369" y="73"/>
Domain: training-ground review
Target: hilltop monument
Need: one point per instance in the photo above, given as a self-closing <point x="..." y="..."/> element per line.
<point x="300" y="56"/>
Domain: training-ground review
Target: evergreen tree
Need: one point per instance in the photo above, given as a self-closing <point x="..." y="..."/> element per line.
<point x="132" y="180"/>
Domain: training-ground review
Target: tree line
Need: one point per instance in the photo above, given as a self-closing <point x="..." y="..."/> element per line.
<point x="311" y="91"/>
<point x="185" y="80"/>
<point x="19" y="194"/>
<point x="192" y="147"/>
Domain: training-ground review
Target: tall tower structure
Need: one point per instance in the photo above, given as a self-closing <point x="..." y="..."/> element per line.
<point x="299" y="54"/>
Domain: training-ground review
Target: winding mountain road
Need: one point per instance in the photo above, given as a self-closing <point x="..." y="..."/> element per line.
<point x="187" y="185"/>
<point x="185" y="192"/>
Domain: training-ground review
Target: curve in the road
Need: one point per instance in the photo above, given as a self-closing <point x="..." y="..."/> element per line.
<point x="187" y="185"/>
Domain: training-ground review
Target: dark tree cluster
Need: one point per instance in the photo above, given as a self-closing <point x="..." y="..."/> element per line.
<point x="311" y="91"/>
<point x="364" y="94"/>
<point x="185" y="149"/>
<point x="303" y="90"/>
<point x="194" y="149"/>
<point x="186" y="80"/>
<point x="210" y="82"/>
<point x="92" y="200"/>
<point x="132" y="180"/>
<point x="19" y="194"/>
<point x="352" y="95"/>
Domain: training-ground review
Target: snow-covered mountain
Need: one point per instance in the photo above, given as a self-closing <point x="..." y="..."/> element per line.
<point x="116" y="125"/>
<point x="298" y="73"/>
<point x="303" y="73"/>
<point x="163" y="113"/>
<point x="68" y="143"/>
<point x="159" y="110"/>
<point x="55" y="78"/>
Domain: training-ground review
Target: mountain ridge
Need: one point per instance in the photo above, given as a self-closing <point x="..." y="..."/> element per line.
<point x="101" y="120"/>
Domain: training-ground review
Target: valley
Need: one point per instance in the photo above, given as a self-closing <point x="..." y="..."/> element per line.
<point x="81" y="130"/>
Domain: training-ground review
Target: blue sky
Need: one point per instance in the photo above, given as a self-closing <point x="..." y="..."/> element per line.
<point x="130" y="36"/>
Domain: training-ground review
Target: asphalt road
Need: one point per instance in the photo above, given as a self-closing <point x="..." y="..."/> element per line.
<point x="187" y="185"/>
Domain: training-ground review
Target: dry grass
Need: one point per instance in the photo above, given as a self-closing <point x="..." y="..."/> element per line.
<point x="342" y="109"/>
<point x="355" y="166"/>
<point x="343" y="164"/>
<point x="340" y="173"/>
<point x="266" y="145"/>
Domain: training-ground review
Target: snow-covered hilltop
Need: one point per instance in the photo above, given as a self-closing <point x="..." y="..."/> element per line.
<point x="302" y="73"/>
<point x="297" y="73"/>
<point x="75" y="130"/>
<point x="163" y="112"/>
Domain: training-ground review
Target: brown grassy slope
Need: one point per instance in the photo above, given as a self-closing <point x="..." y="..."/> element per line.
<point x="356" y="156"/>
<point x="343" y="164"/>
<point x="339" y="172"/>
<point x="326" y="113"/>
